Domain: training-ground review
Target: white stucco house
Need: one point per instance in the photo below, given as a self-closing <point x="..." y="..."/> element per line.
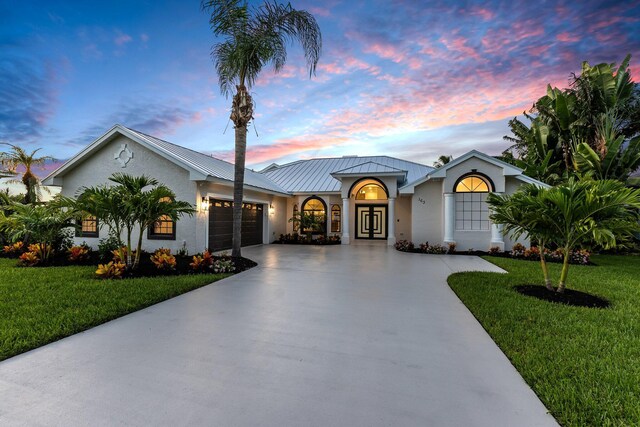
<point x="363" y="197"/>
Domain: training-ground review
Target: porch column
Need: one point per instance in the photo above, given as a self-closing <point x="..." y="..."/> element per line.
<point x="449" y="217"/>
<point x="497" y="238"/>
<point x="391" y="240"/>
<point x="345" y="221"/>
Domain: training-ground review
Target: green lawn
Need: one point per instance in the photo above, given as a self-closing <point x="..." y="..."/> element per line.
<point x="583" y="363"/>
<point x="41" y="305"/>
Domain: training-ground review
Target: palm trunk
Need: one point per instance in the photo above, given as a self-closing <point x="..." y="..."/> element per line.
<point x="241" y="114"/>
<point x="136" y="262"/>
<point x="128" y="260"/>
<point x="545" y="269"/>
<point x="565" y="270"/>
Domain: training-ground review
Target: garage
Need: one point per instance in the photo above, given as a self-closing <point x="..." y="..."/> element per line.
<point x="221" y="224"/>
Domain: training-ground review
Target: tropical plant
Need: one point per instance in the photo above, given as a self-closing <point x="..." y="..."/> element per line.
<point x="111" y="270"/>
<point x="163" y="260"/>
<point x="442" y="160"/>
<point x="254" y="37"/>
<point x="134" y="204"/>
<point x="18" y="157"/>
<point x="78" y="253"/>
<point x="519" y="214"/>
<point x="580" y="125"/>
<point x="308" y="223"/>
<point x="47" y="224"/>
<point x="572" y="215"/>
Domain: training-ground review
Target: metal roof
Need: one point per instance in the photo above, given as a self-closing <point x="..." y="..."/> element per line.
<point x="370" y="167"/>
<point x="210" y="165"/>
<point x="314" y="175"/>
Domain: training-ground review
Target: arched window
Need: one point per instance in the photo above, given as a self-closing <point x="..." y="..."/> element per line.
<point x="472" y="211"/>
<point x="315" y="207"/>
<point x="335" y="219"/>
<point x="296" y="225"/>
<point x="371" y="192"/>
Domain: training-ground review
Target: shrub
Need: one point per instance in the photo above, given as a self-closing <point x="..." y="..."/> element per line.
<point x="518" y="250"/>
<point x="29" y="259"/>
<point x="223" y="266"/>
<point x="452" y="248"/>
<point x="163" y="260"/>
<point x="202" y="262"/>
<point x="108" y="245"/>
<point x="424" y="247"/>
<point x="404" y="246"/>
<point x="493" y="250"/>
<point x="42" y="251"/>
<point x="78" y="253"/>
<point x="111" y="270"/>
<point x="14" y="249"/>
<point x="435" y="249"/>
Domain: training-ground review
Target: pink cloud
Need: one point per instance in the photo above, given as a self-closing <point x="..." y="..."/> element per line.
<point x="566" y="37"/>
<point x="122" y="39"/>
<point x="482" y="12"/>
<point x="385" y="51"/>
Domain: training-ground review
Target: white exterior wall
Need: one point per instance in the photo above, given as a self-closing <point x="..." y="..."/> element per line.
<point x="403" y="218"/>
<point x="97" y="168"/>
<point x="512" y="185"/>
<point x="426" y="213"/>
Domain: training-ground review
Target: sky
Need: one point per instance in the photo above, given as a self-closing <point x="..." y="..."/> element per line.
<point x="410" y="79"/>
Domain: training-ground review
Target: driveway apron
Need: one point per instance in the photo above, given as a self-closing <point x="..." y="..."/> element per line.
<point x="339" y="335"/>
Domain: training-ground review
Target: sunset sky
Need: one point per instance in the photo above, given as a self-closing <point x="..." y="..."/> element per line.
<point x="407" y="79"/>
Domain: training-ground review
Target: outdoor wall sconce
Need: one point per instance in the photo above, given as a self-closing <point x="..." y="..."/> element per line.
<point x="204" y="205"/>
<point x="272" y="210"/>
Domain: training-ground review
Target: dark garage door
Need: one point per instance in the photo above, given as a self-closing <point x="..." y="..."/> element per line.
<point x="221" y="224"/>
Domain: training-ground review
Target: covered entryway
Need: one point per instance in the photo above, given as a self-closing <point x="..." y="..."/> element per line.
<point x="221" y="224"/>
<point x="371" y="222"/>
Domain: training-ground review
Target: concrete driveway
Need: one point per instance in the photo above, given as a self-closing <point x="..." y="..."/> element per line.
<point x="346" y="335"/>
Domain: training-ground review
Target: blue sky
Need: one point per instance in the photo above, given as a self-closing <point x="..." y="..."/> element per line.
<point x="397" y="78"/>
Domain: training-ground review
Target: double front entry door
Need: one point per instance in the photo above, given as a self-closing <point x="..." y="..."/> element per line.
<point x="371" y="221"/>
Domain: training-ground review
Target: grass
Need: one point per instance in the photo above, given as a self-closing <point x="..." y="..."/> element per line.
<point x="583" y="363"/>
<point x="41" y="305"/>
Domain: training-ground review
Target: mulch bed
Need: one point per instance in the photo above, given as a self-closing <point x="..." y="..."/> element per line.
<point x="569" y="297"/>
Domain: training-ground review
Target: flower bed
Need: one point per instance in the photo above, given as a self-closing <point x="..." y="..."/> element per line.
<point x="298" y="239"/>
<point x="111" y="265"/>
<point x="519" y="251"/>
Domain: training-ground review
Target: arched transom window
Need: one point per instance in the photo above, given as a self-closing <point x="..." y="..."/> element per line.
<point x="472" y="184"/>
<point x="371" y="192"/>
<point x="472" y="211"/>
<point x="335" y="219"/>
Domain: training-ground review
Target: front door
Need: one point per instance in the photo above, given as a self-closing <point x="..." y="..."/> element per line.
<point x="371" y="222"/>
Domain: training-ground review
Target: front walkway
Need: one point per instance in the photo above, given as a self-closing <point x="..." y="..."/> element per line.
<point x="341" y="335"/>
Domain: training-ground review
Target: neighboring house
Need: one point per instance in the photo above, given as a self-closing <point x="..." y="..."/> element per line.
<point x="362" y="198"/>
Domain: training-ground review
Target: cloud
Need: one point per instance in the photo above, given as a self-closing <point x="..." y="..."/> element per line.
<point x="29" y="98"/>
<point x="122" y="39"/>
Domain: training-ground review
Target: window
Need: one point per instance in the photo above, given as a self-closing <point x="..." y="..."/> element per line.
<point x="371" y="192"/>
<point x="296" y="225"/>
<point x="164" y="228"/>
<point x="315" y="207"/>
<point x="472" y="211"/>
<point x="335" y="219"/>
<point x="88" y="227"/>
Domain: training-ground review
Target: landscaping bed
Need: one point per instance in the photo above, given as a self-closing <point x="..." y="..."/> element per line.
<point x="41" y="305"/>
<point x="581" y="362"/>
<point x="299" y="239"/>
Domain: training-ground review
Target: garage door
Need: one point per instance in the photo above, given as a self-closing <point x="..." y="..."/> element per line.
<point x="221" y="224"/>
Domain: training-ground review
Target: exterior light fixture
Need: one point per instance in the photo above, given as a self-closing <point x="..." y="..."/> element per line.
<point x="205" y="204"/>
<point x="272" y="210"/>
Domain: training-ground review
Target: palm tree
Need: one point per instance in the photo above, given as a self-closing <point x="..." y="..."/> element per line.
<point x="519" y="215"/>
<point x="442" y="160"/>
<point x="254" y="37"/>
<point x="18" y="157"/>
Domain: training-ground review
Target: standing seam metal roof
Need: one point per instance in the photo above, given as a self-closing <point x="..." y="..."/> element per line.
<point x="314" y="175"/>
<point x="210" y="165"/>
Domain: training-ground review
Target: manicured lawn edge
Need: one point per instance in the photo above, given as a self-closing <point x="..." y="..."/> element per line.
<point x="583" y="363"/>
<point x="43" y="305"/>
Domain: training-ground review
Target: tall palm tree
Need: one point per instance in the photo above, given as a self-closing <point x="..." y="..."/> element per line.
<point x="18" y="157"/>
<point x="254" y="37"/>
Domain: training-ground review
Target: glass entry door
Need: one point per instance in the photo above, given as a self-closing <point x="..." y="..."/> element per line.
<point x="371" y="222"/>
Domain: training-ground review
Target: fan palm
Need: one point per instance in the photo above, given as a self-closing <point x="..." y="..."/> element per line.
<point x="17" y="157"/>
<point x="442" y="160"/>
<point x="254" y="37"/>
